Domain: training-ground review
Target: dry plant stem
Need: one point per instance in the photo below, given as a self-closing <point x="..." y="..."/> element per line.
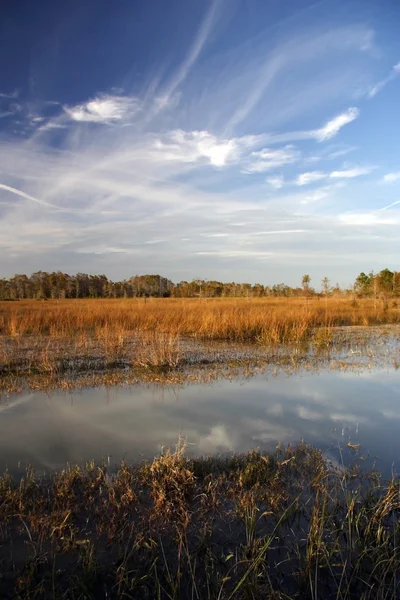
<point x="281" y="525"/>
<point x="55" y="337"/>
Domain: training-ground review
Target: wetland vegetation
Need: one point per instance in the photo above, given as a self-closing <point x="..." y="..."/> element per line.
<point x="283" y="525"/>
<point x="68" y="341"/>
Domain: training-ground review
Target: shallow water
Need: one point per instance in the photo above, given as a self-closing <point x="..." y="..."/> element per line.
<point x="328" y="410"/>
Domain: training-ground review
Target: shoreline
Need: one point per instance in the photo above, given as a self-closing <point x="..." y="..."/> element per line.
<point x="45" y="363"/>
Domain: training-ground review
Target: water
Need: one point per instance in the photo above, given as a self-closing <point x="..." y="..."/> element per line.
<point x="328" y="409"/>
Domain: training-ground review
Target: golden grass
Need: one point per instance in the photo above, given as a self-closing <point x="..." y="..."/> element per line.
<point x="52" y="337"/>
<point x="267" y="319"/>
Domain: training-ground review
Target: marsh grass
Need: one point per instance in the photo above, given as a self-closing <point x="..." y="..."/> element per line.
<point x="56" y="337"/>
<point x="283" y="525"/>
<point x="157" y="351"/>
<point x="279" y="320"/>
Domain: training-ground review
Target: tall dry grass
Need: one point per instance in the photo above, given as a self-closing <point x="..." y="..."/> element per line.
<point x="56" y="336"/>
<point x="236" y="527"/>
<point x="264" y="319"/>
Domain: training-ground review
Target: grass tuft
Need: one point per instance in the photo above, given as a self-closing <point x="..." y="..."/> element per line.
<point x="280" y="525"/>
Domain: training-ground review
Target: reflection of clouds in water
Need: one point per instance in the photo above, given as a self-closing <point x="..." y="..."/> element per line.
<point x="275" y="410"/>
<point x="348" y="418"/>
<point x="320" y="398"/>
<point x="262" y="431"/>
<point x="218" y="439"/>
<point x="307" y="413"/>
<point x="391" y="414"/>
<point x="225" y="416"/>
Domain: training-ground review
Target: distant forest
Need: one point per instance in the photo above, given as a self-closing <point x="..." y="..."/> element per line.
<point x="42" y="286"/>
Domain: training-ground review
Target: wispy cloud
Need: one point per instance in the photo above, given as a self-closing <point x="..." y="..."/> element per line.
<point x="268" y="159"/>
<point x="368" y="219"/>
<point x="22" y="194"/>
<point x="276" y="182"/>
<point x="333" y="126"/>
<point x="374" y="90"/>
<point x="390" y="205"/>
<point x="313" y="176"/>
<point x="121" y="178"/>
<point x="164" y="99"/>
<point x="103" y="109"/>
<point x="350" y="173"/>
<point x="310" y="177"/>
<point x="191" y="146"/>
<point x="391" y="177"/>
<point x="264" y="74"/>
<point x="10" y="95"/>
<point x="279" y="232"/>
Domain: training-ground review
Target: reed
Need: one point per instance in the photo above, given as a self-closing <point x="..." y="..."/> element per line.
<point x="57" y="336"/>
<point x="228" y="319"/>
<point x="284" y="525"/>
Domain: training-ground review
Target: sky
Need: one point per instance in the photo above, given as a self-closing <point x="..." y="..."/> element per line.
<point x="237" y="140"/>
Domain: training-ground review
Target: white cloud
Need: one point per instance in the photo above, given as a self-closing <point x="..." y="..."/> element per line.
<point x="22" y="194"/>
<point x="135" y="186"/>
<point x="236" y="253"/>
<point x="317" y="195"/>
<point x="333" y="126"/>
<point x="267" y="159"/>
<point x="279" y="232"/>
<point x="260" y="73"/>
<point x="276" y="182"/>
<point x="390" y="205"/>
<point x="366" y="219"/>
<point x="196" y="48"/>
<point x="391" y="177"/>
<point x="103" y="109"/>
<point x="214" y="235"/>
<point x="10" y="95"/>
<point x="192" y="146"/>
<point x="374" y="90"/>
<point x="340" y="152"/>
<point x="350" y="173"/>
<point x="310" y="177"/>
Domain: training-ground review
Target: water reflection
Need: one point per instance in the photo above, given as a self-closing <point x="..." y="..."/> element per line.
<point x="332" y="408"/>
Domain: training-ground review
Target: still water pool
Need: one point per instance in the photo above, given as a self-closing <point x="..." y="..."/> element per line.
<point x="329" y="409"/>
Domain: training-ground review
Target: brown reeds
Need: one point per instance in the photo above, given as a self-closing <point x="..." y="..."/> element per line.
<point x="239" y="319"/>
<point x="55" y="336"/>
<point x="284" y="525"/>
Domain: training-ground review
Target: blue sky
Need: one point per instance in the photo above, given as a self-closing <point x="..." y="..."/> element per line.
<point x="246" y="140"/>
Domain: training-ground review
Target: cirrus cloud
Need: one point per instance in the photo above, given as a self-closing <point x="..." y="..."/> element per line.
<point x="333" y="126"/>
<point x="103" y="109"/>
<point x="391" y="177"/>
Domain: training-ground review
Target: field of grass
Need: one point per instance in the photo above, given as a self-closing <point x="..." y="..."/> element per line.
<point x="277" y="320"/>
<point x="53" y="337"/>
<point x="278" y="526"/>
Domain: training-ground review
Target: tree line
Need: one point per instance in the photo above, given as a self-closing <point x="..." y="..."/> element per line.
<point x="58" y="285"/>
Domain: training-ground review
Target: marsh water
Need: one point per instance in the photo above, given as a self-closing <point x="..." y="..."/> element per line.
<point x="327" y="409"/>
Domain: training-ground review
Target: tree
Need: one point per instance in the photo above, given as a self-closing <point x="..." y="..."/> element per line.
<point x="386" y="280"/>
<point x="305" y="283"/>
<point x="363" y="283"/>
<point x="325" y="286"/>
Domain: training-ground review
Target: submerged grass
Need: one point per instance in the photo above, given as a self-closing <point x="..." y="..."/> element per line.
<point x="281" y="525"/>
